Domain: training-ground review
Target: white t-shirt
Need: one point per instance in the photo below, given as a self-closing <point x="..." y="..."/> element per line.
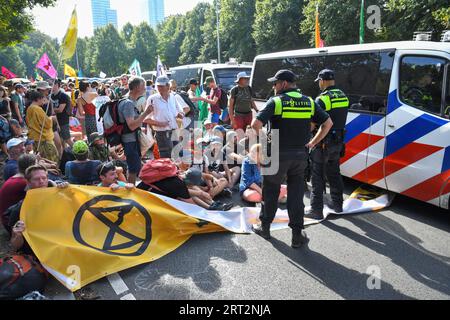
<point x="165" y="111"/>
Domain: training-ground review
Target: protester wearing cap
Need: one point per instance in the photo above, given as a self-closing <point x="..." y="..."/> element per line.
<point x="97" y="148"/>
<point x="213" y="99"/>
<point x="17" y="103"/>
<point x="241" y="103"/>
<point x="291" y="114"/>
<point x="40" y="127"/>
<point x="129" y="115"/>
<point x="326" y="155"/>
<point x="16" y="147"/>
<point x="82" y="171"/>
<point x="194" y="94"/>
<point x="163" y="119"/>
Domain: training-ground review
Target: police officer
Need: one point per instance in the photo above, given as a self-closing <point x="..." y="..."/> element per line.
<point x="291" y="113"/>
<point x="326" y="155"/>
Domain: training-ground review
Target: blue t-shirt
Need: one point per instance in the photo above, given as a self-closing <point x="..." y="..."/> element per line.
<point x="83" y="173"/>
<point x="250" y="175"/>
<point x="11" y="168"/>
<point x="120" y="183"/>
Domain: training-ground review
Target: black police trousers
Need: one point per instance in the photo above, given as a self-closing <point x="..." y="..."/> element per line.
<point x="295" y="171"/>
<point x="325" y="163"/>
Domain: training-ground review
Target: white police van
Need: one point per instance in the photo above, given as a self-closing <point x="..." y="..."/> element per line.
<point x="398" y="127"/>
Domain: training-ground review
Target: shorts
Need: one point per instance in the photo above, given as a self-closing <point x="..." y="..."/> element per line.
<point x="241" y="121"/>
<point x="133" y="154"/>
<point x="215" y="117"/>
<point x="64" y="132"/>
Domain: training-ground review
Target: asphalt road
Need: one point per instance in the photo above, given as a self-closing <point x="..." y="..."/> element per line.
<point x="407" y="245"/>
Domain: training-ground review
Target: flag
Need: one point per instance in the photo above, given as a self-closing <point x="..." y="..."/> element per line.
<point x="69" y="43"/>
<point x="102" y="75"/>
<point x="7" y="73"/>
<point x="135" y="69"/>
<point x="160" y="70"/>
<point x="318" y="41"/>
<point x="69" y="71"/>
<point x="102" y="232"/>
<point x="38" y="76"/>
<point x="361" y="24"/>
<point x="46" y="65"/>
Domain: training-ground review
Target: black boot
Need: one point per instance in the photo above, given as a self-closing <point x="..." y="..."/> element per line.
<point x="262" y="230"/>
<point x="336" y="208"/>
<point x="314" y="214"/>
<point x="299" y="238"/>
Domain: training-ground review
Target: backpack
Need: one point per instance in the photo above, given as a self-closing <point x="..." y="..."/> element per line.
<point x="5" y="130"/>
<point x="157" y="170"/>
<point x="188" y="101"/>
<point x="223" y="102"/>
<point x="20" y="275"/>
<point x="112" y="127"/>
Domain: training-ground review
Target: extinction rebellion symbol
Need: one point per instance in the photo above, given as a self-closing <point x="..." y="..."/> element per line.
<point x="100" y="224"/>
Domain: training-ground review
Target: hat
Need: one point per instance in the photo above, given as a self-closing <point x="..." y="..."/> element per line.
<point x="284" y="75"/>
<point x="19" y="86"/>
<point x="14" y="142"/>
<point x="193" y="81"/>
<point x="209" y="79"/>
<point x="216" y="140"/>
<point x="207" y="121"/>
<point x="95" y="136"/>
<point x="242" y="75"/>
<point x="194" y="177"/>
<point x="42" y="85"/>
<point x="325" y="74"/>
<point x="162" y="81"/>
<point x="80" y="147"/>
<point x="29" y="142"/>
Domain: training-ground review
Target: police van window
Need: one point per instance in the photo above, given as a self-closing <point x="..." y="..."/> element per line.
<point x="182" y="77"/>
<point x="447" y="95"/>
<point x="361" y="77"/>
<point x="421" y="80"/>
<point x="306" y="67"/>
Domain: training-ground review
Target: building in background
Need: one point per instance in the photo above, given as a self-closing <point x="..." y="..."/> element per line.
<point x="102" y="14"/>
<point x="155" y="12"/>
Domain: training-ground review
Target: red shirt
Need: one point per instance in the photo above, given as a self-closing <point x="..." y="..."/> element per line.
<point x="89" y="108"/>
<point x="215" y="109"/>
<point x="12" y="191"/>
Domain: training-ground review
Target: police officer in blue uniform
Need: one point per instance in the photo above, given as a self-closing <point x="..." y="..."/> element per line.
<point x="326" y="155"/>
<point x="291" y="113"/>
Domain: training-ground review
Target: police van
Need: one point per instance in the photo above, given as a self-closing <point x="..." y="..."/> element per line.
<point x="398" y="127"/>
<point x="224" y="74"/>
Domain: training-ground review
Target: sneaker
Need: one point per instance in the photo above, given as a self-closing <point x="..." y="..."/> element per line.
<point x="299" y="238"/>
<point x="262" y="230"/>
<point x="336" y="208"/>
<point x="226" y="193"/>
<point x="216" y="206"/>
<point x="227" y="206"/>
<point x="313" y="214"/>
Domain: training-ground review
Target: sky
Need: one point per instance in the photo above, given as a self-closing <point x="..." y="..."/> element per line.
<point x="55" y="20"/>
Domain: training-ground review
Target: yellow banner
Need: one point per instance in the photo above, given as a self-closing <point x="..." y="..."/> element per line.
<point x="69" y="43"/>
<point x="81" y="234"/>
<point x="69" y="71"/>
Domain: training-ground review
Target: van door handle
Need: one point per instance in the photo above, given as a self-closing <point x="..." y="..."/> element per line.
<point x="391" y="126"/>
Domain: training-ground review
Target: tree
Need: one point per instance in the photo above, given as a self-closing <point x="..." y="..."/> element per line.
<point x="9" y="57"/>
<point x="127" y="32"/>
<point x="236" y="27"/>
<point x="208" y="50"/>
<point x="171" y="34"/>
<point x="143" y="46"/>
<point x="109" y="52"/>
<point x="194" y="37"/>
<point x="276" y="26"/>
<point x="16" y="20"/>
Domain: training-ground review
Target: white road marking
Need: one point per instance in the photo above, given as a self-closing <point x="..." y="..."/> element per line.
<point x="128" y="297"/>
<point x="119" y="286"/>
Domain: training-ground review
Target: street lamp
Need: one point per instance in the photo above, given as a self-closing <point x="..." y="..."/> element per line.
<point x="218" y="25"/>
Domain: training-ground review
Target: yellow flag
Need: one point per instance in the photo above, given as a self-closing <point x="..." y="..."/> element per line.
<point x="69" y="71"/>
<point x="69" y="43"/>
<point x="86" y="233"/>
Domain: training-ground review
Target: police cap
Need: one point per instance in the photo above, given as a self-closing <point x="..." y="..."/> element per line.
<point x="325" y="74"/>
<point x="284" y="75"/>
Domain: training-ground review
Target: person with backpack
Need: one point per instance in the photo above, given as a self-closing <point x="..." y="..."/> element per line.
<point x="132" y="121"/>
<point x="62" y="105"/>
<point x="241" y="103"/>
<point x="214" y="99"/>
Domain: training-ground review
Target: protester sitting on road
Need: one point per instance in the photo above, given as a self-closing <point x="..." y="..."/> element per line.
<point x="109" y="177"/>
<point x="37" y="178"/>
<point x="196" y="184"/>
<point x="250" y="185"/>
<point x="16" y="147"/>
<point x="13" y="190"/>
<point x="82" y="171"/>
